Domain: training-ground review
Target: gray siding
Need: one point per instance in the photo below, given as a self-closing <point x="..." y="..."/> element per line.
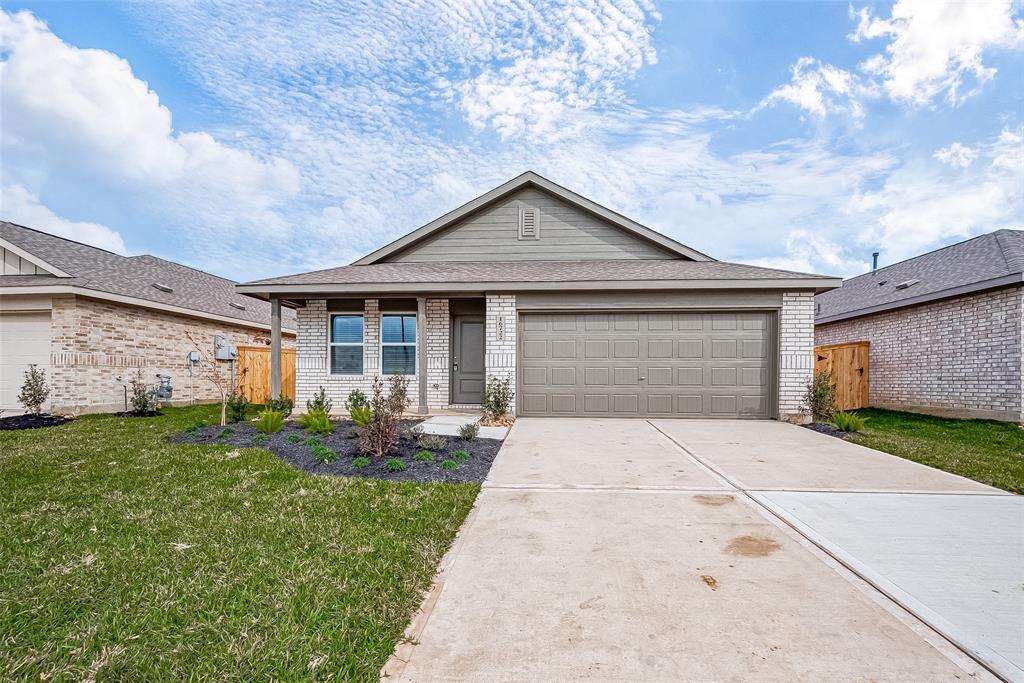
<point x="12" y="264"/>
<point x="566" y="233"/>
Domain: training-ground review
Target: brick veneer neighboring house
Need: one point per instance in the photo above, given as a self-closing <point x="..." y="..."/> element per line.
<point x="945" y="328"/>
<point x="93" y="319"/>
<point x="586" y="312"/>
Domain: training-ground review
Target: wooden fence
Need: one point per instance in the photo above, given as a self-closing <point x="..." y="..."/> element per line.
<point x="848" y="364"/>
<point x="254" y="373"/>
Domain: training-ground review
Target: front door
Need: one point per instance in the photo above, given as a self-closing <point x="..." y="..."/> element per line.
<point x="468" y="375"/>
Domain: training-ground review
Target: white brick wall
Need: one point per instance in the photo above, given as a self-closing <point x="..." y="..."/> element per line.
<point x="959" y="357"/>
<point x="312" y="367"/>
<point x="438" y="327"/>
<point x="796" y="353"/>
<point x="500" y="352"/>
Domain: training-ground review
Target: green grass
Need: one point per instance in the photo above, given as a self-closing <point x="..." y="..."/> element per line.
<point x="983" y="450"/>
<point x="123" y="557"/>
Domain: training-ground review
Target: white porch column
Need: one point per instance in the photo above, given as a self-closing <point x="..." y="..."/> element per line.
<point x="275" y="347"/>
<point x="421" y="352"/>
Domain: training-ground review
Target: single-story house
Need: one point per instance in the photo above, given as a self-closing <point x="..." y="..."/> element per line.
<point x="92" y="319"/>
<point x="586" y="311"/>
<point x="944" y="328"/>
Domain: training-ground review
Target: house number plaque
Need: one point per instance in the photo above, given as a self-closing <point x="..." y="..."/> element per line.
<point x="499" y="329"/>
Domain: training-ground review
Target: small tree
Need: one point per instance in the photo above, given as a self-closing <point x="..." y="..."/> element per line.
<point x="380" y="433"/>
<point x="820" y="396"/>
<point x="34" y="390"/>
<point x="223" y="384"/>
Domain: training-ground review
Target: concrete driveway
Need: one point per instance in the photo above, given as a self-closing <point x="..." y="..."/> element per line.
<point x="707" y="550"/>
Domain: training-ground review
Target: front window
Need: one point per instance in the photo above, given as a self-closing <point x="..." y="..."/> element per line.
<point x="346" y="344"/>
<point x="398" y="344"/>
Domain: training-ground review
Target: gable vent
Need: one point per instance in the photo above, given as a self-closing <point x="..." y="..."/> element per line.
<point x="163" y="288"/>
<point x="907" y="283"/>
<point x="529" y="223"/>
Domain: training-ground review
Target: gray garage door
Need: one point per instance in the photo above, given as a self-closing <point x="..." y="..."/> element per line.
<point x="640" y="364"/>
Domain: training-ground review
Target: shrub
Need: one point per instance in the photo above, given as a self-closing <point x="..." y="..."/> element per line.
<point x="361" y="461"/>
<point x="432" y="442"/>
<point x="820" y="396"/>
<point x="316" y="422"/>
<point x="270" y="422"/>
<point x="361" y="415"/>
<point x="237" y="407"/>
<point x="461" y="455"/>
<point x="320" y="403"/>
<point x="849" y="422"/>
<point x="423" y="455"/>
<point x="497" y="397"/>
<point x="380" y="433"/>
<point x="314" y="441"/>
<point x="412" y="433"/>
<point x="394" y="465"/>
<point x="225" y="433"/>
<point x="34" y="390"/>
<point x="356" y="399"/>
<point x="353" y="433"/>
<point x="260" y="439"/>
<point x="468" y="432"/>
<point x="449" y="465"/>
<point x="323" y="453"/>
<point x="295" y="438"/>
<point x="143" y="401"/>
<point x="281" y="405"/>
<point x="195" y="427"/>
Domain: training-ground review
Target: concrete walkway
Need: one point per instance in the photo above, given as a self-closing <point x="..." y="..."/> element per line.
<point x="625" y="549"/>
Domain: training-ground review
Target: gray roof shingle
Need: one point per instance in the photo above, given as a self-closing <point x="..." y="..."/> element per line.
<point x="975" y="262"/>
<point x="534" y="271"/>
<point x="103" y="271"/>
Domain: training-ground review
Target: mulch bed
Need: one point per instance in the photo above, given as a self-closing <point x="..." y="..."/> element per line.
<point x="825" y="428"/>
<point x="344" y="442"/>
<point x="132" y="413"/>
<point x="30" y="421"/>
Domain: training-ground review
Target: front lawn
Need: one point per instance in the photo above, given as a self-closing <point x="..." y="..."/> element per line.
<point x="125" y="556"/>
<point x="986" y="451"/>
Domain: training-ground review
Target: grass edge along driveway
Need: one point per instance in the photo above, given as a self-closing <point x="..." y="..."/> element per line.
<point x="125" y="557"/>
<point x="983" y="450"/>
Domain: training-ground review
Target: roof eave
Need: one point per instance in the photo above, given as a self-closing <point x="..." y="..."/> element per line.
<point x="983" y="285"/>
<point x="519" y="182"/>
<point x="369" y="288"/>
<point x="64" y="288"/>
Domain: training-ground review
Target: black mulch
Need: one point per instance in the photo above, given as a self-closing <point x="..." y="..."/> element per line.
<point x="826" y="428"/>
<point x="344" y="442"/>
<point x="31" y="421"/>
<point x="144" y="413"/>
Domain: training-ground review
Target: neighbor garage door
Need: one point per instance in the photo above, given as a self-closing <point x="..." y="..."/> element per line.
<point x="639" y="364"/>
<point x="24" y="339"/>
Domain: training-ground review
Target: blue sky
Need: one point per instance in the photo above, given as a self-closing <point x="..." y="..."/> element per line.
<point x="254" y="140"/>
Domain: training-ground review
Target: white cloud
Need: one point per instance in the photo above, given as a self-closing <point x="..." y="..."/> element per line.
<point x="83" y="114"/>
<point x="20" y="206"/>
<point x="808" y="252"/>
<point x="956" y="155"/>
<point x="821" y="89"/>
<point x="916" y="208"/>
<point x="936" y="48"/>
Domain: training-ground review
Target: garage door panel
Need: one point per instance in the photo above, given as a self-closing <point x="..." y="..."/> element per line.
<point x="683" y="364"/>
<point x="24" y="341"/>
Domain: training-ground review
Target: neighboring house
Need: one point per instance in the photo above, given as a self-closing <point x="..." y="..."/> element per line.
<point x="93" y="319"/>
<point x="944" y="328"/>
<point x="587" y="312"/>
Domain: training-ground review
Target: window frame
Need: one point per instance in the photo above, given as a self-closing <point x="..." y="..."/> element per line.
<point x="332" y="344"/>
<point x="414" y="344"/>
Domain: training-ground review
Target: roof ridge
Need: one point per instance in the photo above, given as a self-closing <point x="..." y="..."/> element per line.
<point x="66" y="239"/>
<point x="1012" y="254"/>
<point x="918" y="256"/>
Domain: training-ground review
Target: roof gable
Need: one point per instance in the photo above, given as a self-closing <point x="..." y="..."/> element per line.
<point x="486" y="229"/>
